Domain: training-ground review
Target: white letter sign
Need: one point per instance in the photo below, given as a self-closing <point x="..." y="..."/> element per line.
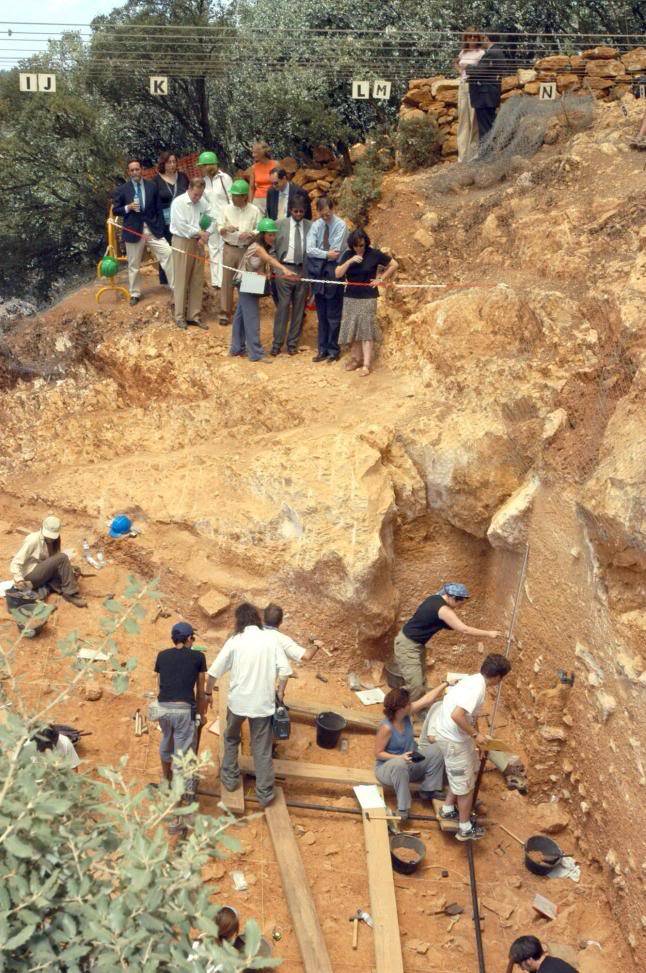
<point x="547" y="90"/>
<point x="158" y="86"/>
<point x="28" y="82"/>
<point x="381" y="90"/>
<point x="360" y="89"/>
<point x="47" y="82"/>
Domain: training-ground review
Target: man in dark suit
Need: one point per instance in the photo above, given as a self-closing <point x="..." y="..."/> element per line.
<point x="138" y="202"/>
<point x="484" y="84"/>
<point x="280" y="198"/>
<point x="289" y="248"/>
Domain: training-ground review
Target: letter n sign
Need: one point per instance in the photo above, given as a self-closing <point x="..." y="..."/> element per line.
<point x="158" y="86"/>
<point x="547" y="90"/>
<point x="361" y="89"/>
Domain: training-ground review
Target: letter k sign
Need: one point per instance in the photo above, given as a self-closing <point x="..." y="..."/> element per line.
<point x="158" y="86"/>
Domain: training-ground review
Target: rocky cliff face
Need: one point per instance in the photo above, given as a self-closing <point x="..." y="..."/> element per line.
<point x="506" y="408"/>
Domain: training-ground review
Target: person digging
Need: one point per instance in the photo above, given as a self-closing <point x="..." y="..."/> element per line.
<point x="42" y="566"/>
<point x="529" y="954"/>
<point x="434" y="614"/>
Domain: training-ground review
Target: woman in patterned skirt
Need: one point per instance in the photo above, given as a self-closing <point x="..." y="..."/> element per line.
<point x="360" y="267"/>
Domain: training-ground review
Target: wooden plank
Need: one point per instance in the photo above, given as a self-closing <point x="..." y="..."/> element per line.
<point x="296" y="887"/>
<point x="355" y="719"/>
<point x="325" y="773"/>
<point x="233" y="800"/>
<point x="383" y="905"/>
<point x="450" y="826"/>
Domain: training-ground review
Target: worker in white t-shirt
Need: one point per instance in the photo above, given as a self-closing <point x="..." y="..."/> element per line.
<point x="455" y="729"/>
<point x="50" y="739"/>
<point x="272" y="620"/>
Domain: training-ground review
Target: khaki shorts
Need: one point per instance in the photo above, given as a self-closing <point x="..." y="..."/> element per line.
<point x="461" y="762"/>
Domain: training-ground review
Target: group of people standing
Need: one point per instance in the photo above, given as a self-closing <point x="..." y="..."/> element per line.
<point x="258" y="237"/>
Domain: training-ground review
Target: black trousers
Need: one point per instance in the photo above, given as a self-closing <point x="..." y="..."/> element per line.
<point x="486" y="116"/>
<point x="56" y="572"/>
<point x="329" y="311"/>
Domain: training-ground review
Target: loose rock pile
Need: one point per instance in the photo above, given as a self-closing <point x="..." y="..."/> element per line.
<point x="602" y="71"/>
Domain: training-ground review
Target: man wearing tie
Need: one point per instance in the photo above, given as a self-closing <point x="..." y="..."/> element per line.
<point x="290" y="250"/>
<point x="281" y="196"/>
<point x="138" y="202"/>
<point x="326" y="241"/>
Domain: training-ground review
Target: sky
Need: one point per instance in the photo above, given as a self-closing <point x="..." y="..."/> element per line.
<point x="58" y="11"/>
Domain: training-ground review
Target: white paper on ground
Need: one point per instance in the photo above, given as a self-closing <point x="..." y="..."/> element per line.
<point x="4" y="587"/>
<point x="369" y="797"/>
<point x="92" y="655"/>
<point x="370" y="696"/>
<point x="566" y="868"/>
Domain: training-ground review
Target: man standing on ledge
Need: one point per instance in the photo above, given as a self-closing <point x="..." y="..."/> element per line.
<point x="326" y="241"/>
<point x="255" y="661"/>
<point x="188" y="213"/>
<point x="434" y="614"/>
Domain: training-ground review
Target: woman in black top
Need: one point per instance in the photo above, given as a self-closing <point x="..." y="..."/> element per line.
<point x="359" y="266"/>
<point x="170" y="183"/>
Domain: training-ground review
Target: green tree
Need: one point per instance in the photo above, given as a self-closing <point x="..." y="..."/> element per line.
<point x="88" y="877"/>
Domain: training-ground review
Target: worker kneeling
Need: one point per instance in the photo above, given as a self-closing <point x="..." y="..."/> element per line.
<point x="40" y="564"/>
<point x="455" y="730"/>
<point x="398" y="760"/>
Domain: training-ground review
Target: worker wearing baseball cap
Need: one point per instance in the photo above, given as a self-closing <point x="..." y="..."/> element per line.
<point x="237" y="224"/>
<point x="40" y="564"/>
<point x="435" y="613"/>
<point x="180" y="672"/>
<point x="218" y="195"/>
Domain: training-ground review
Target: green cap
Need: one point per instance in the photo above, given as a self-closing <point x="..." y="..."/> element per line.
<point x="240" y="188"/>
<point x="267" y="225"/>
<point x="205" y="221"/>
<point x="109" y="266"/>
<point x="207" y="159"/>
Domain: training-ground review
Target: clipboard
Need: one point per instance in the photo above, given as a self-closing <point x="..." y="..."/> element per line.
<point x="251" y="283"/>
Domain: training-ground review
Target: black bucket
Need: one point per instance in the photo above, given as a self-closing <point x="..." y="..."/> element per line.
<point x="329" y="727"/>
<point x="393" y="674"/>
<point x="410" y="843"/>
<point x="541" y="854"/>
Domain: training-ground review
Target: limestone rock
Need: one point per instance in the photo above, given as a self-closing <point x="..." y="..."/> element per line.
<point x="357" y="151"/>
<point x="431" y="220"/>
<point x="602" y="52"/>
<point x="553" y="817"/>
<point x="554" y="422"/>
<point x="443" y="85"/>
<point x="606" y="704"/>
<point x="635" y="60"/>
<point x="526" y="75"/>
<point x="92" y="691"/>
<point x="591" y="664"/>
<point x="555" y="62"/>
<point x="424" y="238"/>
<point x="553" y="733"/>
<point x="605" y="68"/>
<point x="213" y="602"/>
<point x="509" y="526"/>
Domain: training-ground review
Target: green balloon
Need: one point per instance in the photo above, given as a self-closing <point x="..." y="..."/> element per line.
<point x="205" y="221"/>
<point x="109" y="266"/>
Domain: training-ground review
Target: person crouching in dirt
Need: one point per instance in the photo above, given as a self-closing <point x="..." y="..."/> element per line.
<point x="528" y="953"/>
<point x="434" y="613"/>
<point x="40" y="564"/>
<point x="456" y="733"/>
<point x="398" y="761"/>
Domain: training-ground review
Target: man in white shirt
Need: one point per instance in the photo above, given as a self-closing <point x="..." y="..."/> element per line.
<point x="255" y="661"/>
<point x="189" y="214"/>
<point x="237" y="226"/>
<point x="455" y="730"/>
<point x="49" y="738"/>
<point x="291" y="294"/>
<point x="272" y="620"/>
<point x="217" y="194"/>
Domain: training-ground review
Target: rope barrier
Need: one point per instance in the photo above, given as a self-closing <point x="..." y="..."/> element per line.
<point x="303" y="280"/>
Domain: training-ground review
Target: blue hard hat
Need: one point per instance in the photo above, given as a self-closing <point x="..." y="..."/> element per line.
<point x="181" y="631"/>
<point x="454" y="590"/>
<point x="120" y="526"/>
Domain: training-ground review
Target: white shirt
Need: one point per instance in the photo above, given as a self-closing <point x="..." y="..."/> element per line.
<point x="65" y="748"/>
<point x="470" y="694"/>
<point x="292" y="649"/>
<point x="217" y="191"/>
<point x="289" y="256"/>
<point x="468" y="57"/>
<point x="185" y="215"/>
<point x="244" y="218"/>
<point x="283" y="202"/>
<point x="254" y="660"/>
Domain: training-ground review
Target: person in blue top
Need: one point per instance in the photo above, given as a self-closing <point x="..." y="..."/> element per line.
<point x="326" y="241"/>
<point x="398" y="761"/>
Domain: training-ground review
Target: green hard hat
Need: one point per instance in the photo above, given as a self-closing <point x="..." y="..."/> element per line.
<point x="267" y="225"/>
<point x="207" y="159"/>
<point x="240" y="188"/>
<point x="109" y="266"/>
<point x="205" y="221"/>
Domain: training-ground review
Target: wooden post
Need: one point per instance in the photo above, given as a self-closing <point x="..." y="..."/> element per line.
<point x="296" y="887"/>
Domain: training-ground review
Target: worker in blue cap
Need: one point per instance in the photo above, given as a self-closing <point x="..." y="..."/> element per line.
<point x="434" y="614"/>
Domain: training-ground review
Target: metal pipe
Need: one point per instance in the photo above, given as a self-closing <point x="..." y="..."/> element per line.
<point x="521" y="578"/>
<point x="475" y="907"/>
<point x="302" y="805"/>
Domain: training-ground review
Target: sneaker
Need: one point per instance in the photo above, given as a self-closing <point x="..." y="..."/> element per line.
<point x="198" y="323"/>
<point x="473" y="834"/>
<point x="76" y="600"/>
<point x="267" y="801"/>
<point x="181" y="325"/>
<point x="134" y="300"/>
<point x="451" y="815"/>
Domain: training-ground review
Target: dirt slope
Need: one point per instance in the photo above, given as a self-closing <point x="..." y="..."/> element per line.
<point x="505" y="408"/>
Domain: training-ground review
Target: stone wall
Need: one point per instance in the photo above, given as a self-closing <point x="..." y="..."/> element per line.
<point x="602" y="71"/>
